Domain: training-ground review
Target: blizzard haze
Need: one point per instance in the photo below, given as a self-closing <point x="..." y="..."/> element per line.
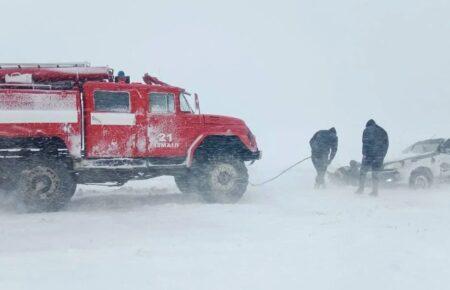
<point x="288" y="68"/>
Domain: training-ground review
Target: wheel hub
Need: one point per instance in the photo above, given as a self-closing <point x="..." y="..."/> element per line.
<point x="421" y="182"/>
<point x="224" y="177"/>
<point x="41" y="183"/>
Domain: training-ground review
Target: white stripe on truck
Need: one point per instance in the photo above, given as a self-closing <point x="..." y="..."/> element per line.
<point x="49" y="107"/>
<point x="117" y="119"/>
<point x="34" y="116"/>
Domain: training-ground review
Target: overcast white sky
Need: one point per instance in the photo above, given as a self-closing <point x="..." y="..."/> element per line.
<point x="286" y="67"/>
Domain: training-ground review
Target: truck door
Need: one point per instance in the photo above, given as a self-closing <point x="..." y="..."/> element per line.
<point x="162" y="130"/>
<point x="190" y="124"/>
<point x="111" y="123"/>
<point x="171" y="125"/>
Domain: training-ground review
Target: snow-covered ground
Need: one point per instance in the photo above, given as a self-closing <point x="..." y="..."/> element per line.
<point x="282" y="236"/>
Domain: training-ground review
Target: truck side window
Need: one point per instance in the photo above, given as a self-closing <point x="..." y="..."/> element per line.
<point x="184" y="104"/>
<point x="107" y="101"/>
<point x="162" y="103"/>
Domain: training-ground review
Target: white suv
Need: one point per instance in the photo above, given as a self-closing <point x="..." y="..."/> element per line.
<point x="422" y="164"/>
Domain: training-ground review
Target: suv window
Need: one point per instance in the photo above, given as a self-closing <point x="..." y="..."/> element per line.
<point x="446" y="146"/>
<point x="106" y="101"/>
<point x="422" y="147"/>
<point x="162" y="103"/>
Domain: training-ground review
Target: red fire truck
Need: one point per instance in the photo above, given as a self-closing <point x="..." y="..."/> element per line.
<point x="70" y="123"/>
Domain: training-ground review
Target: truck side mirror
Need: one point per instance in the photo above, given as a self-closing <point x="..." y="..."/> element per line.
<point x="197" y="104"/>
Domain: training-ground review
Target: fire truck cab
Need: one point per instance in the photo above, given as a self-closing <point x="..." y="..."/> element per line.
<point x="68" y="124"/>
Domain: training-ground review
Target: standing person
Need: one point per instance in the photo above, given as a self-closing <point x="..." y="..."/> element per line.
<point x="324" y="146"/>
<point x="375" y="146"/>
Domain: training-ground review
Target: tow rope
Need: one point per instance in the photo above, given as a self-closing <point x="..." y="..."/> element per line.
<point x="281" y="173"/>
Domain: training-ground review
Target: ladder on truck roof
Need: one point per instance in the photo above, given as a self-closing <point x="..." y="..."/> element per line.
<point x="44" y="65"/>
<point x="52" y="73"/>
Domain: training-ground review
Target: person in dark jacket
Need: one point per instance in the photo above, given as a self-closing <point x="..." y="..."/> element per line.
<point x="375" y="146"/>
<point x="324" y="146"/>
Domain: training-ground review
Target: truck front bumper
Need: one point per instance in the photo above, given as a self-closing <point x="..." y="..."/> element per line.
<point x="256" y="155"/>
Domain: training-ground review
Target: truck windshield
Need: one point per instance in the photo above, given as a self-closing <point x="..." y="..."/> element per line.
<point x="185" y="103"/>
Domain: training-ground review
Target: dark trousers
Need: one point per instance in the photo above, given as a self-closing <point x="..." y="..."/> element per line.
<point x="320" y="162"/>
<point x="374" y="164"/>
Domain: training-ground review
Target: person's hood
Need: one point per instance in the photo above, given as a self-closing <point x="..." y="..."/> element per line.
<point x="371" y="122"/>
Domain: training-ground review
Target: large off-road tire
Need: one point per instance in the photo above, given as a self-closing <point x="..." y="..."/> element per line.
<point x="421" y="178"/>
<point x="45" y="185"/>
<point x="223" y="180"/>
<point x="8" y="179"/>
<point x="187" y="183"/>
<point x="7" y="184"/>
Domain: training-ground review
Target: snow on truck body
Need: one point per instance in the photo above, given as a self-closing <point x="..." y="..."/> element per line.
<point x="35" y="113"/>
<point x="102" y="129"/>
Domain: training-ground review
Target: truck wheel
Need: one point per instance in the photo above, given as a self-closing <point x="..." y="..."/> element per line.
<point x="223" y="180"/>
<point x="45" y="185"/>
<point x="187" y="183"/>
<point x="8" y="178"/>
<point x="421" y="179"/>
<point x="7" y="185"/>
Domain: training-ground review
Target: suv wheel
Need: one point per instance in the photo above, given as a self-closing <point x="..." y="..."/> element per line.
<point x="45" y="185"/>
<point x="420" y="179"/>
<point x="223" y="180"/>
